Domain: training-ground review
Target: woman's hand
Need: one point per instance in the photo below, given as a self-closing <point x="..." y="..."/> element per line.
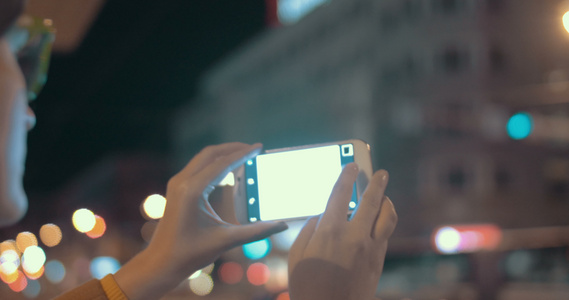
<point x="191" y="235"/>
<point x="334" y="258"/>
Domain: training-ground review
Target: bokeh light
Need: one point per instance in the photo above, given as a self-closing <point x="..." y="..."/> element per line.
<point x="447" y="240"/>
<point x="284" y="240"/>
<point x="33" y="259"/>
<point x="32" y="290"/>
<point x="201" y="285"/>
<point x="228" y="180"/>
<point x="258" y="273"/>
<point x="209" y="268"/>
<point x="36" y="275"/>
<point x="206" y="270"/>
<point x="518" y="263"/>
<point x="103" y="265"/>
<point x="230" y="272"/>
<point x="9" y="245"/>
<point x="258" y="249"/>
<point x="50" y="235"/>
<point x="520" y="126"/>
<point x="26" y="239"/>
<point x="9" y="262"/>
<point x="83" y="220"/>
<point x="154" y="206"/>
<point x="20" y="283"/>
<point x="54" y="271"/>
<point x="9" y="278"/>
<point x="283" y="296"/>
<point x="566" y="21"/>
<point x="278" y="281"/>
<point x="467" y="238"/>
<point x="147" y="230"/>
<point x="99" y="228"/>
<point x="195" y="275"/>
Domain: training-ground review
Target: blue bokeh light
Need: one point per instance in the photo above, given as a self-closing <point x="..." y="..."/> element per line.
<point x="103" y="265"/>
<point x="258" y="249"/>
<point x="520" y="126"/>
<point x="54" y="271"/>
<point x="32" y="290"/>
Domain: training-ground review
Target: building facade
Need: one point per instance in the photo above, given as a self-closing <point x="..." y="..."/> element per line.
<point x="429" y="84"/>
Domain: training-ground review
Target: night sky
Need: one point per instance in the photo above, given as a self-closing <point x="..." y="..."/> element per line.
<point x="115" y="94"/>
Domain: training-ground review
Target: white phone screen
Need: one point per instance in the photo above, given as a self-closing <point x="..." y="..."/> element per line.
<point x="295" y="183"/>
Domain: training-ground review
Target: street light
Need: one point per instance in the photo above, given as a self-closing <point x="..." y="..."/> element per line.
<point x="566" y="21"/>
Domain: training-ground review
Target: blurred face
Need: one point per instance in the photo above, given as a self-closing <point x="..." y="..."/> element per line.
<point x="16" y="119"/>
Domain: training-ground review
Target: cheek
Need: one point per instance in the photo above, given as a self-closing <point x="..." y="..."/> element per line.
<point x="13" y="199"/>
<point x="13" y="133"/>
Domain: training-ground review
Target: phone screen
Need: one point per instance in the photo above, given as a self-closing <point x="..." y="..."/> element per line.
<point x="294" y="183"/>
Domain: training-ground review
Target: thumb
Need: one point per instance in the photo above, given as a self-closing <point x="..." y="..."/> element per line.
<point x="243" y="234"/>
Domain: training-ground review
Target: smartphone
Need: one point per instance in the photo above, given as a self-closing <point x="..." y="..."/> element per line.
<point x="296" y="182"/>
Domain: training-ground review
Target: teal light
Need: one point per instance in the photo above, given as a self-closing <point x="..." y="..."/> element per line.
<point x="258" y="249"/>
<point x="103" y="265"/>
<point x="520" y="126"/>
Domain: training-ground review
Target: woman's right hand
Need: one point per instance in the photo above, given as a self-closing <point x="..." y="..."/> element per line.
<point x="334" y="258"/>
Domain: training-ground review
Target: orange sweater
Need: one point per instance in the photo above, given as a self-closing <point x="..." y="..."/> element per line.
<point x="105" y="289"/>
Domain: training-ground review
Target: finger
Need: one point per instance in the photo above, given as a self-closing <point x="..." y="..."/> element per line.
<point x="221" y="200"/>
<point x="337" y="207"/>
<point x="243" y="234"/>
<point x="386" y="221"/>
<point x="217" y="170"/>
<point x="368" y="209"/>
<point x="210" y="154"/>
<point x="296" y="251"/>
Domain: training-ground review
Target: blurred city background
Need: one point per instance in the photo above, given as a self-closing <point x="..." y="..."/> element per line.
<point x="464" y="102"/>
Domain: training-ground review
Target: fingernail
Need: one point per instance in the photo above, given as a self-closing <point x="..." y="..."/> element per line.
<point x="352" y="166"/>
<point x="384" y="177"/>
<point x="281" y="226"/>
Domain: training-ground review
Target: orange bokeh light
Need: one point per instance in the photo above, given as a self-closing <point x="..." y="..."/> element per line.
<point x="283" y="296"/>
<point x="9" y="245"/>
<point x="99" y="228"/>
<point x="36" y="275"/>
<point x="50" y="235"/>
<point x="26" y="239"/>
<point x="9" y="278"/>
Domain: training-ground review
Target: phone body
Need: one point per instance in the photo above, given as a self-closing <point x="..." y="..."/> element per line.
<point x="296" y="182"/>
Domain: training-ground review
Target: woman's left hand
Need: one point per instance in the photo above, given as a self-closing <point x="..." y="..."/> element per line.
<point x="191" y="234"/>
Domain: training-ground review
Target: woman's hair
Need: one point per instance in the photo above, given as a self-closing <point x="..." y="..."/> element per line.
<point x="10" y="10"/>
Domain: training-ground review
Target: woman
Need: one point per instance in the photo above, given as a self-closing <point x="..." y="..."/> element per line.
<point x="331" y="259"/>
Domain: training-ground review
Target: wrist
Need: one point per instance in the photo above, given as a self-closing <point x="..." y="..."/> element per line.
<point x="147" y="276"/>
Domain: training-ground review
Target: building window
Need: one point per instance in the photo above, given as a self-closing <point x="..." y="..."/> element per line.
<point x="447" y="6"/>
<point x="412" y="8"/>
<point x="390" y="76"/>
<point x="502" y="178"/>
<point x="495" y="6"/>
<point x="453" y="60"/>
<point x="457" y="178"/>
<point x="497" y="59"/>
<point x="388" y="21"/>
<point x="411" y="66"/>
<point x="556" y="175"/>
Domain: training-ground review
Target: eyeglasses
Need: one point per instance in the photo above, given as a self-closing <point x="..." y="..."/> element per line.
<point x="31" y="40"/>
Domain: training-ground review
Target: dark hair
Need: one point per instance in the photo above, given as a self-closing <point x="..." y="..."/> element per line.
<point x="10" y="10"/>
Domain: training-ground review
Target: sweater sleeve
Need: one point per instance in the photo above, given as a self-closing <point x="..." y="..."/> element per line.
<point x="112" y="289"/>
<point x="106" y="289"/>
